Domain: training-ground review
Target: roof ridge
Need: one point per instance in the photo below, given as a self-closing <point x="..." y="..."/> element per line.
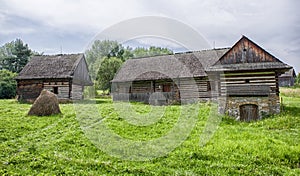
<point x="196" y="51"/>
<point x="59" y="54"/>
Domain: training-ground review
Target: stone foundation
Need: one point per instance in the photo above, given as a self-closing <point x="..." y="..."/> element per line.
<point x="266" y="105"/>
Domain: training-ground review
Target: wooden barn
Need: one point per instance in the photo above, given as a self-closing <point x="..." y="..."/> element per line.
<point x="65" y="75"/>
<point x="248" y="77"/>
<point x="166" y="79"/>
<point x="287" y="79"/>
<point x="243" y="78"/>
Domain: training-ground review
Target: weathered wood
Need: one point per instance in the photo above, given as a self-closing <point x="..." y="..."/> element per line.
<point x="249" y="112"/>
<point x="77" y="92"/>
<point x="246" y="51"/>
<point x="248" y="90"/>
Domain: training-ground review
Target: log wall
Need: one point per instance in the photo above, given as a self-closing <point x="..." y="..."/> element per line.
<point x="29" y="90"/>
<point x="173" y="90"/>
<point x="77" y="92"/>
<point x="62" y="86"/>
<point x="250" y="89"/>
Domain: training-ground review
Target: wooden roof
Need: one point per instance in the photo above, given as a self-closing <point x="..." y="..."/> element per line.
<point x="181" y="65"/>
<point x="53" y="66"/>
<point x="290" y="73"/>
<point x="247" y="55"/>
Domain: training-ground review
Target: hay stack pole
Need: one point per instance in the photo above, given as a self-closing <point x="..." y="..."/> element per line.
<point x="46" y="104"/>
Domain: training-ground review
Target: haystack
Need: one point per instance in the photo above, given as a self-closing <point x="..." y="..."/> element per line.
<point x="46" y="104"/>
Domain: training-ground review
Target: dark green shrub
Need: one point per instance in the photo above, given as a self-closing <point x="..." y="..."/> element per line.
<point x="7" y="84"/>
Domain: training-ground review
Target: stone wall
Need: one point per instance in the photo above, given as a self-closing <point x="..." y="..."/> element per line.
<point x="266" y="105"/>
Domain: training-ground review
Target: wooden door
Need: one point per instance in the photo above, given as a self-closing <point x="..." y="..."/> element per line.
<point x="248" y="112"/>
<point x="166" y="88"/>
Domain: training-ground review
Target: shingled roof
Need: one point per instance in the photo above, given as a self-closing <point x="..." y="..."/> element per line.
<point x="181" y="65"/>
<point x="56" y="66"/>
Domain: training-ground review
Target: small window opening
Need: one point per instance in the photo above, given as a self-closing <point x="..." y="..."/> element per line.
<point x="130" y="90"/>
<point x="55" y="90"/>
<point x="208" y="86"/>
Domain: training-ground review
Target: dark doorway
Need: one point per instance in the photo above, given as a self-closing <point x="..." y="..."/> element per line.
<point x="167" y="88"/>
<point x="55" y="90"/>
<point x="248" y="112"/>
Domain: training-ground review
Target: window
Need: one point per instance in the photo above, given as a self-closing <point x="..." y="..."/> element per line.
<point x="208" y="86"/>
<point x="167" y="88"/>
<point x="130" y="91"/>
<point x="55" y="90"/>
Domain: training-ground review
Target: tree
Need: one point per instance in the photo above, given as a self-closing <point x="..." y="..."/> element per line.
<point x="151" y="51"/>
<point x="105" y="57"/>
<point x="107" y="71"/>
<point x="14" y="56"/>
<point x="7" y="84"/>
<point x="106" y="48"/>
<point x="298" y="79"/>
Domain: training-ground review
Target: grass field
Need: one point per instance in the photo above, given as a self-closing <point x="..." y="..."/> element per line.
<point x="56" y="145"/>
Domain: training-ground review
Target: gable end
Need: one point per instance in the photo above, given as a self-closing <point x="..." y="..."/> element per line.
<point x="246" y="51"/>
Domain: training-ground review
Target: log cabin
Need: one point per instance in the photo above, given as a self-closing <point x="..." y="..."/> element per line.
<point x="287" y="79"/>
<point x="166" y="79"/>
<point x="243" y="79"/>
<point x="65" y="75"/>
<point x="248" y="81"/>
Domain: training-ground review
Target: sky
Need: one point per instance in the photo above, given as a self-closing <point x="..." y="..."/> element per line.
<point x="52" y="26"/>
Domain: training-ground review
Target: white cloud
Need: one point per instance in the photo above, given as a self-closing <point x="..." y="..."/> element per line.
<point x="74" y="15"/>
<point x="273" y="24"/>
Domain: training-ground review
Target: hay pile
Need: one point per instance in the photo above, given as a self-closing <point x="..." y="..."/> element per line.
<point x="46" y="104"/>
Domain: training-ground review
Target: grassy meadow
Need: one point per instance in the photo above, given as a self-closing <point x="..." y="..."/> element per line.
<point x="56" y="145"/>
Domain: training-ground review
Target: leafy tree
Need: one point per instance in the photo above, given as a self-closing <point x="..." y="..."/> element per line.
<point x="298" y="79"/>
<point x="7" y="84"/>
<point x="105" y="57"/>
<point x="151" y="51"/>
<point x="14" y="56"/>
<point x="107" y="71"/>
<point x="106" y="48"/>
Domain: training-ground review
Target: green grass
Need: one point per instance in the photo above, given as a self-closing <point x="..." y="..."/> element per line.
<point x="290" y="91"/>
<point x="56" y="145"/>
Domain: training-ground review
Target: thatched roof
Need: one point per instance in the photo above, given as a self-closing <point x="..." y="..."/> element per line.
<point x="276" y="66"/>
<point x="290" y="73"/>
<point x="181" y="65"/>
<point x="48" y="67"/>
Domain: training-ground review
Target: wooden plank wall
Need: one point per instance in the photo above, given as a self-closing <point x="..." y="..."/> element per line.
<point x="246" y="51"/>
<point x="63" y="88"/>
<point x="191" y="88"/>
<point x="29" y="89"/>
<point x="184" y="88"/>
<point x="248" y="84"/>
<point x="77" y="92"/>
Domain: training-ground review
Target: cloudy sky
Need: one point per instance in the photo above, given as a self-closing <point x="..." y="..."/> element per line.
<point x="48" y="25"/>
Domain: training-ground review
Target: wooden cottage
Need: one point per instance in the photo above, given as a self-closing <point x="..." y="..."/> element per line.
<point x="243" y="78"/>
<point x="166" y="79"/>
<point x="248" y="81"/>
<point x="65" y="75"/>
<point x="287" y="79"/>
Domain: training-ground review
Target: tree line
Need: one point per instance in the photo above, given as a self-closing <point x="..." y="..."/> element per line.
<point x="104" y="59"/>
<point x="14" y="56"/>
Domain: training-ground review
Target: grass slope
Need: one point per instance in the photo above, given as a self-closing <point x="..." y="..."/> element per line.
<point x="56" y="145"/>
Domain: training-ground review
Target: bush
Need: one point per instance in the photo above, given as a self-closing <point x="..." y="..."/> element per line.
<point x="8" y="84"/>
<point x="297" y="81"/>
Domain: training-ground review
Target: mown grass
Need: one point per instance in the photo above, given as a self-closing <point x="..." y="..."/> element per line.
<point x="56" y="145"/>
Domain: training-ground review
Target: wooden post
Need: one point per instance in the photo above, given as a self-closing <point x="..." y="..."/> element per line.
<point x="70" y="88"/>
